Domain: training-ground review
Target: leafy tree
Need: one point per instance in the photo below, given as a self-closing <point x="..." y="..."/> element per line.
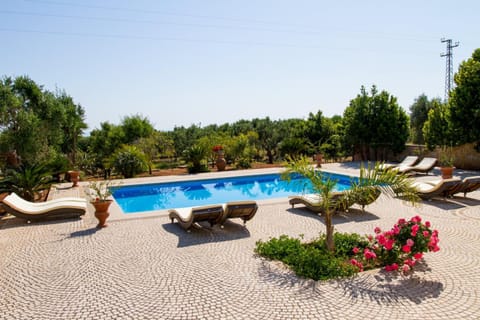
<point x="136" y="127"/>
<point x="465" y="100"/>
<point x="103" y="143"/>
<point x="418" y="116"/>
<point x="437" y="130"/>
<point x="319" y="129"/>
<point x="375" y="122"/>
<point x="36" y="123"/>
<point x="269" y="136"/>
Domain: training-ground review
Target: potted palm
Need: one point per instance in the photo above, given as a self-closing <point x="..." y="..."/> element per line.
<point x="100" y="194"/>
<point x="446" y="160"/>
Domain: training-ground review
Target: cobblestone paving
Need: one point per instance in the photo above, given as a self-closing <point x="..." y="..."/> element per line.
<point x="151" y="269"/>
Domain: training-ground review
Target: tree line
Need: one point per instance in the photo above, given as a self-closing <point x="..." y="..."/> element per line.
<point x="38" y="126"/>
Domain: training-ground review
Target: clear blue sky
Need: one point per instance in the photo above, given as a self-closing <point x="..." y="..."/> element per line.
<point x="181" y="62"/>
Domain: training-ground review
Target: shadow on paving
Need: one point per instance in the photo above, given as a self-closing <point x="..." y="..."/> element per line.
<point x="391" y="287"/>
<point x="383" y="287"/>
<point x="202" y="233"/>
<point x="353" y="215"/>
<point x="9" y="221"/>
<point x="83" y="233"/>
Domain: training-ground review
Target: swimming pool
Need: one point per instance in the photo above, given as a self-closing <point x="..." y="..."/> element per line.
<point x="161" y="196"/>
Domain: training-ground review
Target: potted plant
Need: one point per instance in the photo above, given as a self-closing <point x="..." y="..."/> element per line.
<point x="74" y="176"/>
<point x="220" y="161"/>
<point x="446" y="160"/>
<point x="100" y="194"/>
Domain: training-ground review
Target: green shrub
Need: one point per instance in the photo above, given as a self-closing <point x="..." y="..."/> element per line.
<point x="244" y="163"/>
<point x="129" y="161"/>
<point x="27" y="181"/>
<point x="312" y="259"/>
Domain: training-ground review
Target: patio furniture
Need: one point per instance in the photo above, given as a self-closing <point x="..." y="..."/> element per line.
<point x="313" y="202"/>
<point x="244" y="210"/>
<point x="468" y="184"/>
<point x="187" y="217"/>
<point x="407" y="161"/>
<point x="441" y="188"/>
<point x="424" y="166"/>
<point x="36" y="211"/>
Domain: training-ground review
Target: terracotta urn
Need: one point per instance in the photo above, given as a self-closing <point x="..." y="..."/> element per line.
<point x="221" y="162"/>
<point x="101" y="211"/>
<point x="74" y="177"/>
<point x="319" y="158"/>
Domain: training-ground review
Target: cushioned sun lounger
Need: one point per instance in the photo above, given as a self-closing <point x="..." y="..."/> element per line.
<point x="467" y="185"/>
<point x="424" y="166"/>
<point x="35" y="211"/>
<point x="441" y="188"/>
<point x="187" y="217"/>
<point x="244" y="210"/>
<point x="406" y="162"/>
<point x="313" y="202"/>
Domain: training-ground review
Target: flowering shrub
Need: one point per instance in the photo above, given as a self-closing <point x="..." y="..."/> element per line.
<point x="398" y="248"/>
<point x="217" y="148"/>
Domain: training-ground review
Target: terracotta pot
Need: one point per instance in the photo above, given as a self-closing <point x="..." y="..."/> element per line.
<point x="221" y="164"/>
<point x="447" y="172"/>
<point x="319" y="158"/>
<point x="101" y="211"/>
<point x="74" y="177"/>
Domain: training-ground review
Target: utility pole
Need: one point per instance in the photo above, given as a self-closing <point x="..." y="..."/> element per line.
<point x="449" y="66"/>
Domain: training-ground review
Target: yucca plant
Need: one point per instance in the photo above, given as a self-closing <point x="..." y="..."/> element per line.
<point x="27" y="181"/>
<point x="371" y="181"/>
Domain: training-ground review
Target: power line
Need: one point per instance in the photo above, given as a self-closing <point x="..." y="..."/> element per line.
<point x="449" y="66"/>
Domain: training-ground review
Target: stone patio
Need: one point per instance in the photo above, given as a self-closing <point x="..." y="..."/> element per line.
<point x="144" y="267"/>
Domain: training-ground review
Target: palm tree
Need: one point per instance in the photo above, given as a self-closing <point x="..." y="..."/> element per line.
<point x="370" y="182"/>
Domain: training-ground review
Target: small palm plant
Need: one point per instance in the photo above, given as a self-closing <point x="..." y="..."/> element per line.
<point x="371" y="181"/>
<point x="27" y="181"/>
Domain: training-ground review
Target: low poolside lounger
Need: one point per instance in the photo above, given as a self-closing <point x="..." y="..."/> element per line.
<point x="313" y="202"/>
<point x="441" y="188"/>
<point x="424" y="166"/>
<point x="244" y="210"/>
<point x="186" y="217"/>
<point x="407" y="162"/>
<point x="467" y="185"/>
<point x="35" y="211"/>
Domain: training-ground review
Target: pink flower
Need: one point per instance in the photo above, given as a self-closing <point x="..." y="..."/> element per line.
<point x="357" y="264"/>
<point x="355" y="250"/>
<point x="406" y="248"/>
<point x="381" y="239"/>
<point x="389" y="244"/>
<point x="418" y="256"/>
<point x="377" y="230"/>
<point x="391" y="267"/>
<point x="410" y="262"/>
<point x="414" y="230"/>
<point x="406" y="268"/>
<point x="369" y="254"/>
<point x="416" y="219"/>
<point x="396" y="229"/>
<point x="426" y="234"/>
<point x="427" y="224"/>
<point x="410" y="242"/>
<point x="401" y="221"/>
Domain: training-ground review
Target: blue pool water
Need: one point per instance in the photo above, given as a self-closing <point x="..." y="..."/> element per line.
<point x="161" y="196"/>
